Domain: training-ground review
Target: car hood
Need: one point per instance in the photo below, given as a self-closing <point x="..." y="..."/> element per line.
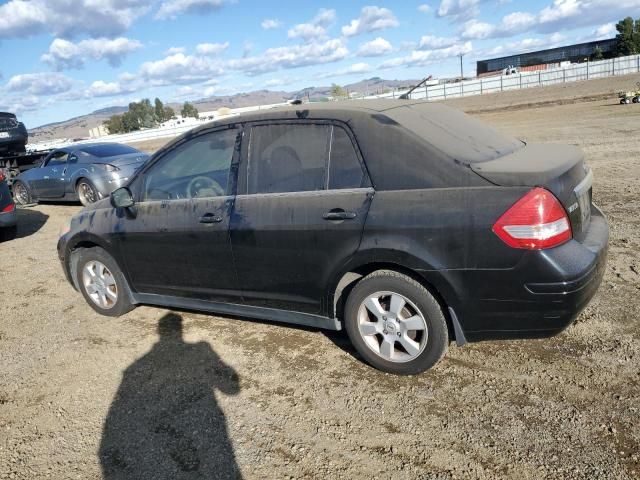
<point x="99" y="205"/>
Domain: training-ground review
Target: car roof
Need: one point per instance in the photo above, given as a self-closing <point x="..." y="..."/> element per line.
<point x="401" y="140"/>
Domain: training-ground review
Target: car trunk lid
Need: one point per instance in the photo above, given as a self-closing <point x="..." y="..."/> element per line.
<point x="558" y="168"/>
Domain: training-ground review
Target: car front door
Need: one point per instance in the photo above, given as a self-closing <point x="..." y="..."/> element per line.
<point x="50" y="183"/>
<point x="176" y="240"/>
<point x="303" y="197"/>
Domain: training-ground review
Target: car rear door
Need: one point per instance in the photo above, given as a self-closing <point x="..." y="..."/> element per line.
<point x="177" y="243"/>
<point x="303" y="199"/>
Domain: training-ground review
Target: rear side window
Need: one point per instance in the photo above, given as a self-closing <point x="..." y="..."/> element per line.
<point x="345" y="170"/>
<point x="288" y="158"/>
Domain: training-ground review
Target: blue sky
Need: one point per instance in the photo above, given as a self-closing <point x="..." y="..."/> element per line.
<point x="63" y="58"/>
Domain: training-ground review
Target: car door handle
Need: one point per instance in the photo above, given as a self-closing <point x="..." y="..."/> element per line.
<point x="210" y="218"/>
<point x="339" y="214"/>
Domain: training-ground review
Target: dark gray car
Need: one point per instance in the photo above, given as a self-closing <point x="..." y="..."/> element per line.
<point x="85" y="172"/>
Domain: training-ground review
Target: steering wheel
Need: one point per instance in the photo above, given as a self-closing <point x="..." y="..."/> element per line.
<point x="201" y="182"/>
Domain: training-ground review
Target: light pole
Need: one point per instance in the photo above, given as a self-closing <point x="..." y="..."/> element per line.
<point x="461" y="71"/>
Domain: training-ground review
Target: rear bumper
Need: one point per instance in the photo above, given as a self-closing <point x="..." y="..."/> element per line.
<point x="539" y="297"/>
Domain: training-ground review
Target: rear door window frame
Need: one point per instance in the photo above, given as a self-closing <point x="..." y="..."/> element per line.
<point x="243" y="179"/>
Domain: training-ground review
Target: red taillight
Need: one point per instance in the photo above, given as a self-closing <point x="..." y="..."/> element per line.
<point x="9" y="208"/>
<point x="2" y="177"/>
<point x="534" y="222"/>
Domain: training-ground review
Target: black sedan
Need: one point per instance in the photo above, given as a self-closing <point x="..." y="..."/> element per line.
<point x="406" y="223"/>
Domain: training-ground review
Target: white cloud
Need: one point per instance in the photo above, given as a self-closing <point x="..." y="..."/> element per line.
<point x="65" y="54"/>
<point x="424" y="8"/>
<point x="525" y="45"/>
<point x="22" y="103"/>
<point x="180" y="69"/>
<point x="430" y="42"/>
<point x="174" y="50"/>
<point x="559" y="16"/>
<point x="44" y="83"/>
<point x="421" y="58"/>
<point x="270" y="23"/>
<point x="371" y="19"/>
<point x="355" y="69"/>
<point x="171" y="9"/>
<point x="608" y="30"/>
<point x="293" y="56"/>
<point x="375" y="48"/>
<point x="458" y="10"/>
<point x="211" y="48"/>
<point x="68" y="18"/>
<point x="316" y="28"/>
<point x="100" y="88"/>
<point x="278" y="82"/>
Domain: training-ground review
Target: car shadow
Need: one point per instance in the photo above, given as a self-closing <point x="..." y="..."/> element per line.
<point x="29" y="222"/>
<point x="164" y="421"/>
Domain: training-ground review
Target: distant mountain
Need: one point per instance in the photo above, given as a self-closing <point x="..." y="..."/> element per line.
<point x="78" y="127"/>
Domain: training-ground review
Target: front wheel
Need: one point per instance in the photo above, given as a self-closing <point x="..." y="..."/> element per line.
<point x="102" y="283"/>
<point x="395" y="323"/>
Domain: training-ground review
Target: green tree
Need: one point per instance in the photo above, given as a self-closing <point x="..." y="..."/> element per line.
<point x="188" y="110"/>
<point x="159" y="111"/>
<point x="628" y="37"/>
<point x="597" y="53"/>
<point x="338" y="92"/>
<point x="114" y="124"/>
<point x="168" y="113"/>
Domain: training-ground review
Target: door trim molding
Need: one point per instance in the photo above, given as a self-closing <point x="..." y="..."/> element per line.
<point x="261" y="313"/>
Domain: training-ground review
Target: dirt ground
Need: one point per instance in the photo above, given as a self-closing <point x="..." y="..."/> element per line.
<point x="270" y="401"/>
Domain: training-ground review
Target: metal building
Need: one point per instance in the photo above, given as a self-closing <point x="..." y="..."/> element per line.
<point x="573" y="53"/>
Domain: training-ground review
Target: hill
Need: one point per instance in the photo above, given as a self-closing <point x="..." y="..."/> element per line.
<point x="78" y="127"/>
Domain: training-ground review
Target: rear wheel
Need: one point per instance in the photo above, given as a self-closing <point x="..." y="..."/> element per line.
<point x="102" y="283"/>
<point x="636" y="99"/>
<point x="21" y="193"/>
<point x="87" y="193"/>
<point x="395" y="323"/>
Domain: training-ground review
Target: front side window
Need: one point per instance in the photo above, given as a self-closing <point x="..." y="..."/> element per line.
<point x="57" y="158"/>
<point x="198" y="168"/>
<point x="288" y="158"/>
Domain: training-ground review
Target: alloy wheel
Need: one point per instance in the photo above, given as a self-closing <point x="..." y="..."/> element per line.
<point x="392" y="326"/>
<point x="87" y="193"/>
<point x="100" y="284"/>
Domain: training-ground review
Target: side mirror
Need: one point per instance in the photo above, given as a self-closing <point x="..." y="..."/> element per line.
<point x="122" y="198"/>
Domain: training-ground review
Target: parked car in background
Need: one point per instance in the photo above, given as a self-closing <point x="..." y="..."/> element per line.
<point x="407" y="223"/>
<point x="85" y="172"/>
<point x="8" y="216"/>
<point x="13" y="135"/>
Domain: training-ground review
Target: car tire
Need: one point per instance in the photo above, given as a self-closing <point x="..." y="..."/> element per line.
<point x="101" y="282"/>
<point x="87" y="193"/>
<point x="408" y="332"/>
<point x="21" y="193"/>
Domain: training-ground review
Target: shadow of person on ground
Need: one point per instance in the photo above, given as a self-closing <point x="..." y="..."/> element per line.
<point x="164" y="421"/>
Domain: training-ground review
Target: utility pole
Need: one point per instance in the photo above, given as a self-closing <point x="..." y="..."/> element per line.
<point x="461" y="71"/>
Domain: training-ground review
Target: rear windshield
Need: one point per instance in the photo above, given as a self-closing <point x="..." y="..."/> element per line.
<point x="454" y="133"/>
<point x="110" y="150"/>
